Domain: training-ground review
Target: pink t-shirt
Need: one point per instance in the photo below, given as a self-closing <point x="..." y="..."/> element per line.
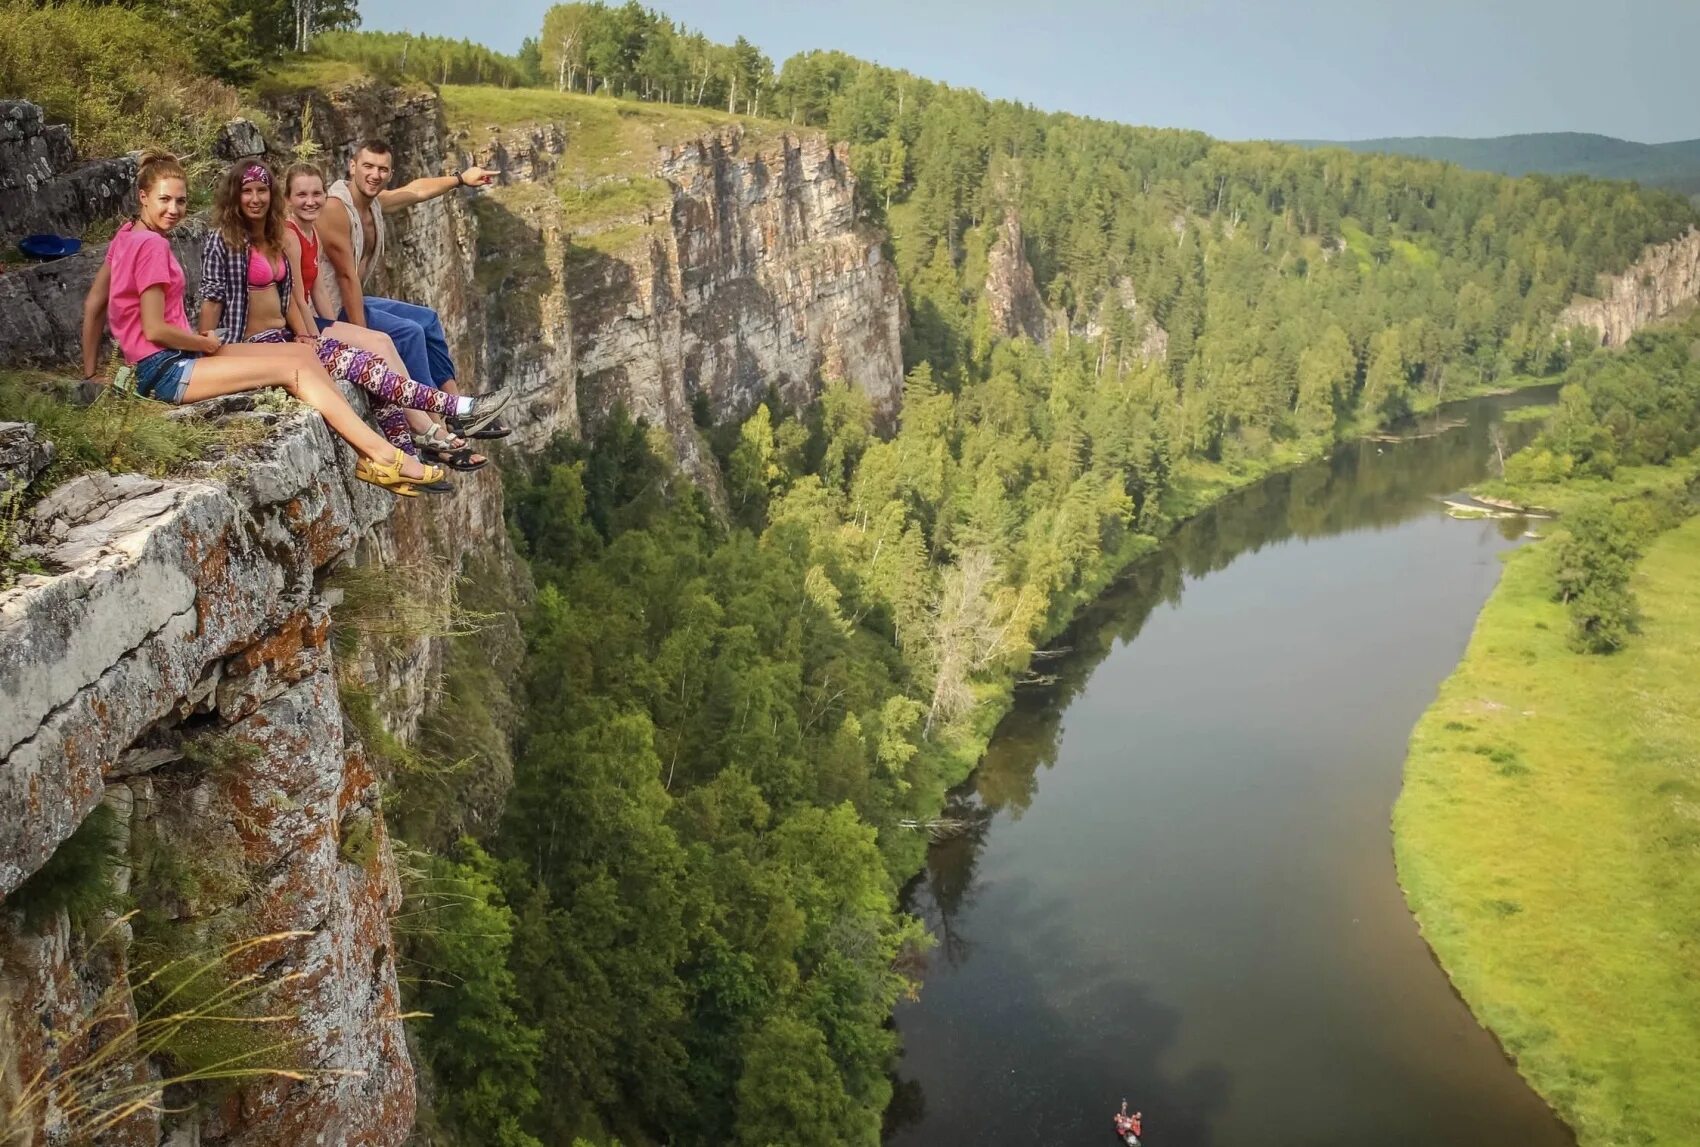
<point x="140" y="259"/>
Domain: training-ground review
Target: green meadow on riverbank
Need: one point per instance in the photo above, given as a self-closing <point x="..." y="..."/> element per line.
<point x="1547" y="838"/>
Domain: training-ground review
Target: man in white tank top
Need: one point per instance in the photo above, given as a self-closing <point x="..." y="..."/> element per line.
<point x="352" y="231"/>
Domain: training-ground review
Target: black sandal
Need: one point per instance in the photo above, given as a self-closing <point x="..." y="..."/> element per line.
<point x="465" y="460"/>
<point x="449" y="450"/>
<point x="496" y="429"/>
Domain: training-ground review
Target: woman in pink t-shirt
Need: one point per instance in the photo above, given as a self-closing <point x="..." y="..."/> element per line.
<point x="140" y="288"/>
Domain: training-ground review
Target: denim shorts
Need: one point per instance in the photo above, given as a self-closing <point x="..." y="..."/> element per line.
<point x="164" y="375"/>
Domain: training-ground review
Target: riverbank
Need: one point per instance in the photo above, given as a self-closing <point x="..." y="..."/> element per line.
<point x="1227" y="765"/>
<point x="1546" y="838"/>
<point x="1198" y="486"/>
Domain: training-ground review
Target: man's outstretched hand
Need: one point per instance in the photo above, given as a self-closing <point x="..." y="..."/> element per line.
<point x="477" y="177"/>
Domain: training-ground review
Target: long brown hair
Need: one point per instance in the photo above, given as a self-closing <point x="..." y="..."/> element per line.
<point x="227" y="209"/>
<point x="154" y="166"/>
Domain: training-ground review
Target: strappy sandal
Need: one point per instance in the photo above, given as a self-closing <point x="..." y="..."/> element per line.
<point x="496" y="429"/>
<point x="388" y="475"/>
<point x="439" y="446"/>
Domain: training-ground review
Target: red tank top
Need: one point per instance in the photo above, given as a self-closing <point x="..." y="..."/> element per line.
<point x="309" y="258"/>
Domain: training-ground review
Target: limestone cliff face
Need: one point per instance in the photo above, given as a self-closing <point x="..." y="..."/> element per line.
<point x="1664" y="278"/>
<point x="754" y="275"/>
<point x="174" y="665"/>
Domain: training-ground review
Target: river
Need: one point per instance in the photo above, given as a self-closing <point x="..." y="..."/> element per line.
<point x="1175" y="880"/>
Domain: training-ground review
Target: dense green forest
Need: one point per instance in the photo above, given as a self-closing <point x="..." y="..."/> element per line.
<point x="398" y="56"/>
<point x="735" y="729"/>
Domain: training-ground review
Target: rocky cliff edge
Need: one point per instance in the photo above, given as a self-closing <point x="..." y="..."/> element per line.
<point x="1666" y="277"/>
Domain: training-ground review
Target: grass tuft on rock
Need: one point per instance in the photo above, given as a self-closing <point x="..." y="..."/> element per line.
<point x="77" y="879"/>
<point x="117" y="431"/>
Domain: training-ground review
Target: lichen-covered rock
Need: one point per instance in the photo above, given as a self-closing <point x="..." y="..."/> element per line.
<point x="331" y="970"/>
<point x="23" y="455"/>
<point x="63" y="997"/>
<point x="163" y="580"/>
<point x="196" y="601"/>
<point x="1663" y="279"/>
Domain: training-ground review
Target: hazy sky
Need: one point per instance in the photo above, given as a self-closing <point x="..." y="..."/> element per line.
<point x="1327" y="69"/>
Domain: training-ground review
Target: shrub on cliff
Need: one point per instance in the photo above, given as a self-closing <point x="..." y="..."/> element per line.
<point x="118" y="76"/>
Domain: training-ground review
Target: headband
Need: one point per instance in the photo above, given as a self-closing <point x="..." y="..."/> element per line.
<point x="257" y="173"/>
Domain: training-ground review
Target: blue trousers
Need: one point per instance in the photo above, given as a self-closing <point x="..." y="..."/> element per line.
<point x="418" y="337"/>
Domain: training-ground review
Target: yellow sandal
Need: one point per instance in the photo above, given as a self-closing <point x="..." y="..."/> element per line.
<point x="389" y="476"/>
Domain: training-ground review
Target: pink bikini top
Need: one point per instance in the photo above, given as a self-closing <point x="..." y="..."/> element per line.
<point x="262" y="272"/>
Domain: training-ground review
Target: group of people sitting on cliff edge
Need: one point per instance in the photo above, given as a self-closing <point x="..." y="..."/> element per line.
<point x="282" y="304"/>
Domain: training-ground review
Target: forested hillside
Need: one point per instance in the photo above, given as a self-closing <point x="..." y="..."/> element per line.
<point x="1670" y="165"/>
<point x="734" y="730"/>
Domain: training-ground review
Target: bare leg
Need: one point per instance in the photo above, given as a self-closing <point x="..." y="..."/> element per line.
<point x="242" y="367"/>
<point x="365" y="338"/>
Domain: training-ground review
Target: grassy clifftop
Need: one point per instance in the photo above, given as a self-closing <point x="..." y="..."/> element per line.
<point x="605" y="176"/>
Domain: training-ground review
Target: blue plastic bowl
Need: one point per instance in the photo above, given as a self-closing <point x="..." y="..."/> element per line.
<point x="49" y="246"/>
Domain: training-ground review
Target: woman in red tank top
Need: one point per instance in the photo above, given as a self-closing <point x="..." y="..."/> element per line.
<point x="309" y="257"/>
<point x="304" y="192"/>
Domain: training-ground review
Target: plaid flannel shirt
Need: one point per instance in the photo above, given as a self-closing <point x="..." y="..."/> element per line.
<point x="224" y="276"/>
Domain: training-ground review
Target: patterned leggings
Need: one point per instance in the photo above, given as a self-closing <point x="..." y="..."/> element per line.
<point x="369" y="372"/>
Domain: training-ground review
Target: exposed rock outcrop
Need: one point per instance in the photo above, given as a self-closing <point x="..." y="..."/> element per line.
<point x="43" y="187"/>
<point x="239" y="139"/>
<point x="1011" y="294"/>
<point x="1120" y="319"/>
<point x="188" y="612"/>
<point x="23" y="455"/>
<point x="526" y="154"/>
<point x="1663" y="279"/>
<point x="757" y="276"/>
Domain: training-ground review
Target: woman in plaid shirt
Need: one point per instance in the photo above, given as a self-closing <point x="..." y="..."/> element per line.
<point x="248" y="269"/>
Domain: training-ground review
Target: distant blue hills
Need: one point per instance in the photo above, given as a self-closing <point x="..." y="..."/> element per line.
<point x="1670" y="165"/>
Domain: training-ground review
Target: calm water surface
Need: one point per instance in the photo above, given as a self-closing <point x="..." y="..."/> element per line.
<point x="1177" y="885"/>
